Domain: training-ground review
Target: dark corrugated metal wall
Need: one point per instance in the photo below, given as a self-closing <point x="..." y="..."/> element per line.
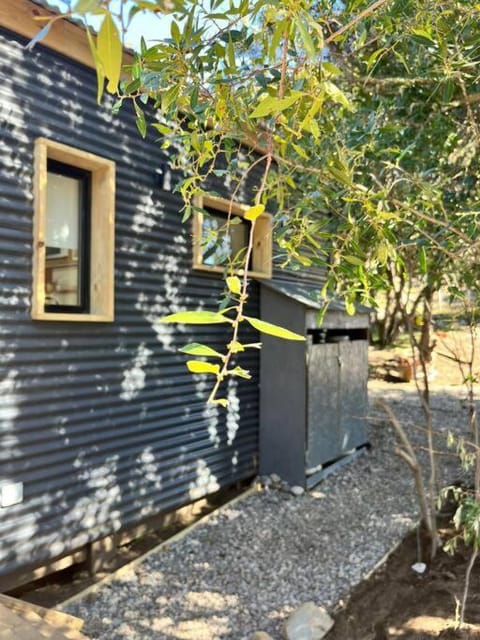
<point x="102" y="422"/>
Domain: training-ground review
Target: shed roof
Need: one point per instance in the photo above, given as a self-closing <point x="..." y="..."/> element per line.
<point x="308" y="295"/>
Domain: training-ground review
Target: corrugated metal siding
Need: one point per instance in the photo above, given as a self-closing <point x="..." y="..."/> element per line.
<point x="102" y="422"/>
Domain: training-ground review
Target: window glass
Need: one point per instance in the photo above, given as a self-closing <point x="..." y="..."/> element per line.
<point x="66" y="269"/>
<point x="222" y="242"/>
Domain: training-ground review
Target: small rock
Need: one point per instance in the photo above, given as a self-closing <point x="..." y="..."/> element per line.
<point x="297" y="490"/>
<point x="308" y="622"/>
<point x="419" y="567"/>
<point x="261" y="635"/>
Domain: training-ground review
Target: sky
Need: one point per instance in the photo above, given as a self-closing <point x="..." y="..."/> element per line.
<point x="151" y="27"/>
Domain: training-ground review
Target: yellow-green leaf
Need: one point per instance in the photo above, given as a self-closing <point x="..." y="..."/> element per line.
<point x="199" y="366"/>
<point x="109" y="48"/>
<point x="271" y="104"/>
<point x="234" y="284"/>
<point x="358" y="262"/>
<point x="84" y="6"/>
<point x="235" y="347"/>
<point x="254" y="212"/>
<point x="273" y="329"/>
<point x="350" y="307"/>
<point x="221" y="401"/>
<point x="336" y="94"/>
<point x="196" y="349"/>
<point x="195" y="317"/>
<point x="240" y="372"/>
<point x="98" y="66"/>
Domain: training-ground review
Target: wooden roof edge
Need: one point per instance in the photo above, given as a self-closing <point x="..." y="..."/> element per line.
<point x="65" y="37"/>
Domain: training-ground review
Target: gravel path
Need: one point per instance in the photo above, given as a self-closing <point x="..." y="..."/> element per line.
<point x="253" y="562"/>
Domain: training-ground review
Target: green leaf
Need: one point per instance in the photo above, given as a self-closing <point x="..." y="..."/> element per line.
<point x="275" y="39"/>
<point x="140" y="120"/>
<point x="423" y="37"/>
<point x="254" y="212"/>
<point x="374" y="57"/>
<point x="109" y="50"/>
<point x="306" y="39"/>
<point x="231" y="54"/>
<point x="175" y="32"/>
<point x="300" y="151"/>
<point x="187" y="212"/>
<point x="273" y="329"/>
<point x="330" y="69"/>
<point x="195" y="317"/>
<point x="336" y="94"/>
<point x="234" y="284"/>
<point x="199" y="366"/>
<point x="197" y="349"/>
<point x="358" y="262"/>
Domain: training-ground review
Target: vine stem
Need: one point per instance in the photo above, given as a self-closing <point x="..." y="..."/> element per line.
<point x="244" y="290"/>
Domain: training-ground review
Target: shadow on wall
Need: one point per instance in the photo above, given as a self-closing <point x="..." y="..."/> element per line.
<point x="102" y="424"/>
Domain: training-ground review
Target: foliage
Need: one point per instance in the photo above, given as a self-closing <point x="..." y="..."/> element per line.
<point x="359" y="116"/>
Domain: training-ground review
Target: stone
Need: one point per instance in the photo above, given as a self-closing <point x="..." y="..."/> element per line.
<point x="261" y="635"/>
<point x="308" y="622"/>
<point x="297" y="490"/>
<point x="275" y="478"/>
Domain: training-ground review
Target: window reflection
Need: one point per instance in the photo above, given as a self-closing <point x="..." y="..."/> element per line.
<point x="65" y="221"/>
<point x="222" y="242"/>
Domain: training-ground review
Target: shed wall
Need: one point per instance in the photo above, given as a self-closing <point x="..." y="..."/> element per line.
<point x="102" y="422"/>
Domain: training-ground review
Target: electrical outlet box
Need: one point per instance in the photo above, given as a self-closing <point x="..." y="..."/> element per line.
<point x="10" y="493"/>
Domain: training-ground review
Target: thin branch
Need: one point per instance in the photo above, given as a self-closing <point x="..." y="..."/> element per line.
<point x="467" y="585"/>
<point x="363" y="14"/>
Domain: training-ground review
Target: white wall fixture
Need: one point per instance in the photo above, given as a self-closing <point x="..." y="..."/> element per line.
<point x="10" y="493"/>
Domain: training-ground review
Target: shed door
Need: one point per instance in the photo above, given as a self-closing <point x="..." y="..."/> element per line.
<point x="323" y="378"/>
<point x="336" y="400"/>
<point x="353" y="394"/>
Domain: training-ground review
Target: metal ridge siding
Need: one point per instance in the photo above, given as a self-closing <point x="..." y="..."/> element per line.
<point x="103" y="423"/>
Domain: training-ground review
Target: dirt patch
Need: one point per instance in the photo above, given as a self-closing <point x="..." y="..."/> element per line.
<point x="444" y="370"/>
<point x="395" y="602"/>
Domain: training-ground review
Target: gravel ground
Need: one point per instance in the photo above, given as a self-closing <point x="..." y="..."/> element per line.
<point x="255" y="561"/>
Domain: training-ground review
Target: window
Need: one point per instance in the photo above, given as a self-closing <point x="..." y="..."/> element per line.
<point x="219" y="244"/>
<point x="73" y="234"/>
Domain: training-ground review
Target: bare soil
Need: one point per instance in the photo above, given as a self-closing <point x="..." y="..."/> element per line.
<point x="396" y="602"/>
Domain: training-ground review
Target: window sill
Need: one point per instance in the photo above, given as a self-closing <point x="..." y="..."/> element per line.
<point x="251" y="274"/>
<point x="72" y="317"/>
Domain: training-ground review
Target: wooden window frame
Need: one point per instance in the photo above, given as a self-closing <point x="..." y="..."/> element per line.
<point x="102" y="231"/>
<point x="261" y="261"/>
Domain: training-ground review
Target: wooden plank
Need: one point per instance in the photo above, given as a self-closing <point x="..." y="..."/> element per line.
<point x="30" y="626"/>
<point x="17" y="578"/>
<point x="21" y="16"/>
<point x="57" y="618"/>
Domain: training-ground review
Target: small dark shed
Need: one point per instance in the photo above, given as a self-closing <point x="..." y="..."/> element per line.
<point x="314" y="394"/>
